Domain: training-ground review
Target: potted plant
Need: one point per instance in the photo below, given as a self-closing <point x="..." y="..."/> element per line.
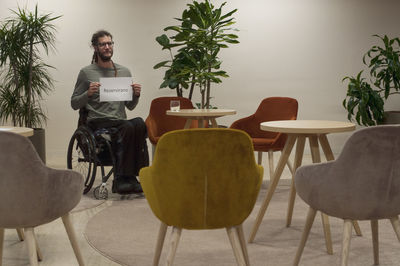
<point x="202" y="32"/>
<point x="365" y="100"/>
<point x="24" y="77"/>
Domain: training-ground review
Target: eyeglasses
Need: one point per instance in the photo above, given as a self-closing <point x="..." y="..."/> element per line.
<point x="103" y="44"/>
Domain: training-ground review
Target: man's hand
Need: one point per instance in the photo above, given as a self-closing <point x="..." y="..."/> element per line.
<point x="93" y="87"/>
<point x="136" y="89"/>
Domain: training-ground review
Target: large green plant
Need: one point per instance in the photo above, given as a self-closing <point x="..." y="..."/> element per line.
<point x="24" y="77"/>
<point x="203" y="31"/>
<point x="365" y="100"/>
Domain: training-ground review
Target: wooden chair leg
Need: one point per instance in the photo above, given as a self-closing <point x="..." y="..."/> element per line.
<point x="396" y="226"/>
<point x="30" y="242"/>
<point x="357" y="228"/>
<point x="271" y="164"/>
<point x="231" y="234"/>
<point x="38" y="251"/>
<point x="1" y="244"/>
<point x="160" y="243"/>
<point x="20" y="233"/>
<point x="175" y="236"/>
<point x="347" y="226"/>
<point x="327" y="233"/>
<point x="259" y="157"/>
<point x="375" y="240"/>
<point x="289" y="165"/>
<point x="307" y="228"/>
<point x="292" y="198"/>
<point x="153" y="150"/>
<point x="72" y="238"/>
<point x="242" y="241"/>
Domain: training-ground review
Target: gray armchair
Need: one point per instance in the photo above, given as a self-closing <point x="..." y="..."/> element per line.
<point x="362" y="184"/>
<point x="32" y="194"/>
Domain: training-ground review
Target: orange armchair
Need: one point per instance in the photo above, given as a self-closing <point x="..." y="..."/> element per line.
<point x="158" y="122"/>
<point x="270" y="109"/>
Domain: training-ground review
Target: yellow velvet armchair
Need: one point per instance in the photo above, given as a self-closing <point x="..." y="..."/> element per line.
<point x="202" y="179"/>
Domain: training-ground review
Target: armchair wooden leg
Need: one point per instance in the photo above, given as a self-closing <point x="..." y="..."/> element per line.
<point x="38" y="251"/>
<point x="307" y="228"/>
<point x="30" y="241"/>
<point x="21" y="237"/>
<point x="72" y="238"/>
<point x="327" y="233"/>
<point x="242" y="241"/>
<point x="160" y="243"/>
<point x="20" y="233"/>
<point x="235" y="248"/>
<point x="347" y="226"/>
<point x="153" y="150"/>
<point x="176" y="235"/>
<point x="1" y="244"/>
<point x="259" y="157"/>
<point x="375" y="240"/>
<point x="271" y="164"/>
<point x="357" y="228"/>
<point x="292" y="198"/>
<point x="396" y="226"/>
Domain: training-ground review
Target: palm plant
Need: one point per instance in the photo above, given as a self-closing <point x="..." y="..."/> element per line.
<point x="203" y="31"/>
<point x="24" y="77"/>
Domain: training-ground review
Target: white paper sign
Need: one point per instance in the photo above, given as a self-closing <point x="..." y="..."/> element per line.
<point x="115" y="89"/>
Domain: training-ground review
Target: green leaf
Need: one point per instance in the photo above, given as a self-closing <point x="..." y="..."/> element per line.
<point x="161" y="64"/>
<point x="163" y="40"/>
<point x="174" y="28"/>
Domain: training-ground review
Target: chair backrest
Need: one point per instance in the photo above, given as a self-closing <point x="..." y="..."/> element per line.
<point x="158" y="122"/>
<point x="31" y="193"/>
<point x="203" y="178"/>
<point x="364" y="181"/>
<point x="270" y="109"/>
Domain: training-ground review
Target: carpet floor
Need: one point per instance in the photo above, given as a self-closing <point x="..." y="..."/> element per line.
<point x="126" y="232"/>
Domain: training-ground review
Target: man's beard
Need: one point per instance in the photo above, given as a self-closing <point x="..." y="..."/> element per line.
<point x="105" y="58"/>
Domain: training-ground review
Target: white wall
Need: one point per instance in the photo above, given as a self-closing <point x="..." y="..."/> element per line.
<point x="295" y="48"/>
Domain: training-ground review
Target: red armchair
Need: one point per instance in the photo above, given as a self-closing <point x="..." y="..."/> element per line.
<point x="270" y="109"/>
<point x="158" y="122"/>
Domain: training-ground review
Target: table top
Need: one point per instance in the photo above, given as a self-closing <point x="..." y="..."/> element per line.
<point x="201" y="112"/>
<point x="24" y="131"/>
<point x="307" y="126"/>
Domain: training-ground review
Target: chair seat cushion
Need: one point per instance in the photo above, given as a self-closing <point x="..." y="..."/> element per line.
<point x="263" y="144"/>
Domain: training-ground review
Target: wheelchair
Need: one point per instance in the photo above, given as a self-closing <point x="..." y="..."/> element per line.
<point x="88" y="150"/>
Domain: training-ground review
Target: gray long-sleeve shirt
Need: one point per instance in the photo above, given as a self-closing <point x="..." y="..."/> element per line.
<point x="97" y="109"/>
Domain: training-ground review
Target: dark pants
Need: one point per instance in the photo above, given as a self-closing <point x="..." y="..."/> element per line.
<point x="128" y="144"/>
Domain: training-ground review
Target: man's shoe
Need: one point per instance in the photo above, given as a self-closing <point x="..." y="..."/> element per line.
<point x="135" y="183"/>
<point x="122" y="185"/>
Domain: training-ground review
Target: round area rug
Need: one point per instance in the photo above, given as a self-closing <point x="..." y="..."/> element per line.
<point x="87" y="202"/>
<point x="126" y="233"/>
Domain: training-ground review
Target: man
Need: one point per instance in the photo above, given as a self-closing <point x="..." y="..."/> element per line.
<point x="129" y="142"/>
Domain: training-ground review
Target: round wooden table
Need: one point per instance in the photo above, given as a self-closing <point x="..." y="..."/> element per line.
<point x="24" y="131"/>
<point x="201" y="115"/>
<point x="299" y="130"/>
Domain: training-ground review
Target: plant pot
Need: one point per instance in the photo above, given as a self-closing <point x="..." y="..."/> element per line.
<point x="391" y="117"/>
<point x="39" y="142"/>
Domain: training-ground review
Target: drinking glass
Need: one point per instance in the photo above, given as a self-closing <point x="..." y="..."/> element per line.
<point x="175" y="105"/>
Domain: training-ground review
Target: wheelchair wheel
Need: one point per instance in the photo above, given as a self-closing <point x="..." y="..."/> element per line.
<point x="81" y="157"/>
